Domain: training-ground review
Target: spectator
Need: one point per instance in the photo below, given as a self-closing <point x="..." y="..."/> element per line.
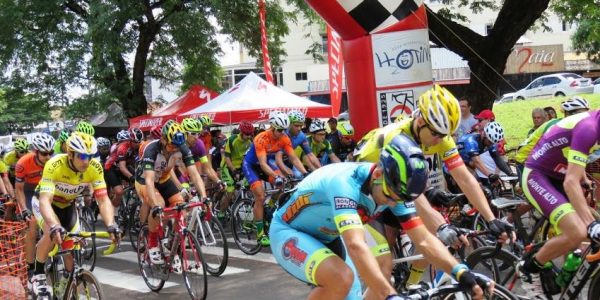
<point x="467" y="120"/>
<point x="334" y="135"/>
<point x="539" y="117"/>
<point x="307" y="122"/>
<point x="483" y="118"/>
<point x="551" y="112"/>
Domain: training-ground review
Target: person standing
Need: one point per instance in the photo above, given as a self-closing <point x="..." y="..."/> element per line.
<point x="467" y="120"/>
<point x="334" y="135"/>
<point x="539" y="117"/>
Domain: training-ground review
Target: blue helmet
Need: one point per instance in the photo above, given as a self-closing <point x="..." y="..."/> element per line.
<point x="404" y="168"/>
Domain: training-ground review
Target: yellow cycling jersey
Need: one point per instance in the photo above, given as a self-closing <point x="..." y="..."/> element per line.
<point x="3" y="167"/>
<point x="65" y="184"/>
<point x="369" y="148"/>
<point x="527" y="145"/>
<point x="10" y="159"/>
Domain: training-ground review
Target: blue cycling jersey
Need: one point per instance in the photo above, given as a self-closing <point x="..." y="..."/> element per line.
<point x="299" y="140"/>
<point x="471" y="145"/>
<point x="328" y="201"/>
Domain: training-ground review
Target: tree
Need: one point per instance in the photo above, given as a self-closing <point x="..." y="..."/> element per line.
<point x="21" y="111"/>
<point x="486" y="55"/>
<point x="586" y="13"/>
<point x="110" y="46"/>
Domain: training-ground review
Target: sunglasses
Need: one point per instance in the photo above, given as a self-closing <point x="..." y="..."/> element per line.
<point x="22" y="152"/>
<point x="280" y="130"/>
<point x="435" y="133"/>
<point x="83" y="156"/>
<point x="46" y="153"/>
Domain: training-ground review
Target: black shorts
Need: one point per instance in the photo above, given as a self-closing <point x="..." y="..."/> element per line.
<point x="66" y="216"/>
<point x="114" y="177"/>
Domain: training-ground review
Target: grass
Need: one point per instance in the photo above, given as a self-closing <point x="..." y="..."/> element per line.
<point x="515" y="117"/>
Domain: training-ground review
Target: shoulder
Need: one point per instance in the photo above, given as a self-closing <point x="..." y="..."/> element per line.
<point x="95" y="167"/>
<point x="54" y="165"/>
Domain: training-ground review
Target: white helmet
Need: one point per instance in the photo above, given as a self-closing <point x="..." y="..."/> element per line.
<point x="574" y="103"/>
<point x="316" y="125"/>
<point x="43" y="142"/>
<point x="279" y="120"/>
<point x="123" y="135"/>
<point x="103" y="142"/>
<point x="494" y="132"/>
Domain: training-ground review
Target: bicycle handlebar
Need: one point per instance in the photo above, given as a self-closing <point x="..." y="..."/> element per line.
<point x="87" y="234"/>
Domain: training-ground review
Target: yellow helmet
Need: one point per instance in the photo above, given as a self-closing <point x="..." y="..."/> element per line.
<point x="440" y="110"/>
<point x="82" y="143"/>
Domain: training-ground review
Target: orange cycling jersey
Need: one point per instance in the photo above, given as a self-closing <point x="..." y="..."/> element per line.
<point x="29" y="171"/>
<point x="206" y="138"/>
<point x="265" y="144"/>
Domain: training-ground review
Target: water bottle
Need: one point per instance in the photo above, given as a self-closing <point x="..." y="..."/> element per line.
<point x="405" y="244"/>
<point x="569" y="268"/>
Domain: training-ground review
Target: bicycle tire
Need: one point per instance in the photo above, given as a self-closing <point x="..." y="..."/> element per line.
<point x="196" y="268"/>
<point x="450" y="293"/>
<point x="85" y="280"/>
<point x="215" y="249"/>
<point x="134" y="224"/>
<point x="594" y="287"/>
<point x="502" y="268"/>
<point x="147" y="270"/>
<point x="242" y="227"/>
<point x="86" y="255"/>
<point x="54" y="274"/>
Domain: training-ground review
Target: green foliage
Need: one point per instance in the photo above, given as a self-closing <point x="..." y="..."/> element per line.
<point x="586" y="13"/>
<point x="87" y="106"/>
<point x="515" y="116"/>
<point x="21" y="111"/>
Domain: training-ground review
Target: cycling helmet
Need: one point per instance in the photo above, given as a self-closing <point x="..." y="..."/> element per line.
<point x="296" y="116"/>
<point x="440" y="110"/>
<point x="136" y="134"/>
<point x="103" y="142"/>
<point x="64" y="135"/>
<point x="574" y="103"/>
<point x="279" y="120"/>
<point x="82" y="143"/>
<point x="156" y="132"/>
<point x="494" y="132"/>
<point x="404" y="168"/>
<point x="85" y="127"/>
<point x="316" y="125"/>
<point x="205" y="120"/>
<point x="173" y="133"/>
<point x="191" y="125"/>
<point x="246" y="128"/>
<point x="21" y="145"/>
<point x="43" y="142"/>
<point x="345" y="129"/>
<point x="123" y="135"/>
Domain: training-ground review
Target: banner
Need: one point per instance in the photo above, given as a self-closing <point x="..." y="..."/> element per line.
<point x="262" y="12"/>
<point x="334" y="50"/>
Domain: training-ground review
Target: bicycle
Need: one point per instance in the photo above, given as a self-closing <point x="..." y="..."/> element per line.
<point x="241" y="192"/>
<point x="129" y="215"/>
<point x="77" y="283"/>
<point x="87" y="249"/>
<point x="242" y="220"/>
<point x="454" y="291"/>
<point x="184" y="254"/>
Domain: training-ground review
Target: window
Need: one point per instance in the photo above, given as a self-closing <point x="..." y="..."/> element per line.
<point x="301" y="76"/>
<point x="551" y="80"/>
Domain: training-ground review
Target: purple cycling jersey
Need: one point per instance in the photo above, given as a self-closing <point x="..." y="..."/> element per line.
<point x="570" y="141"/>
<point x="198" y="150"/>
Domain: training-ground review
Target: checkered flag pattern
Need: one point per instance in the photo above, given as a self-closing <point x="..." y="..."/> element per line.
<point x="376" y="15"/>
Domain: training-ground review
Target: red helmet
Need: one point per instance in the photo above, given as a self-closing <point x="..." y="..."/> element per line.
<point x="156" y="132"/>
<point x="246" y="128"/>
<point x="136" y="134"/>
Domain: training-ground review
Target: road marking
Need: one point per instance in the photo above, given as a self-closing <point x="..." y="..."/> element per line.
<point x="260" y="256"/>
<point x="131" y="256"/>
<point x="125" y="280"/>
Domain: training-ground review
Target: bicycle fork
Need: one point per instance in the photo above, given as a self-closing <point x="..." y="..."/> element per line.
<point x="208" y="237"/>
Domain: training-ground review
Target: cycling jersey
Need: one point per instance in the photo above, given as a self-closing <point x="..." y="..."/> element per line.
<point x="369" y="148"/>
<point x="299" y="141"/>
<point x="199" y="151"/>
<point x="29" y="171"/>
<point x="471" y="145"/>
<point x="125" y="151"/>
<point x="206" y="138"/>
<point x="10" y="159"/>
<point x="235" y="149"/>
<point x="527" y="145"/>
<point x="3" y="168"/>
<point x="66" y="184"/>
<point x="154" y="159"/>
<point x="265" y="144"/>
<point x="58" y="148"/>
<point x="319" y="149"/>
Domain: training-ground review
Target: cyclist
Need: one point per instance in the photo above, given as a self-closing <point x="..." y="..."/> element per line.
<point x="257" y="167"/>
<point x="552" y="181"/>
<point x="430" y="127"/>
<point x="471" y="145"/>
<point x="206" y="136"/>
<point x="61" y="142"/>
<point x="21" y="147"/>
<point x="235" y="148"/>
<point x="116" y="165"/>
<point x="28" y="172"/>
<point x="103" y="149"/>
<point x="347" y="144"/>
<point x="64" y="178"/>
<point x="329" y="207"/>
<point x="4" y="182"/>
<point x="321" y="147"/>
<point x="300" y="143"/>
<point x="193" y="129"/>
<point x="155" y="181"/>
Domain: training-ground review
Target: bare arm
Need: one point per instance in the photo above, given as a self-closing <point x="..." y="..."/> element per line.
<point x="296" y="162"/>
<point x="572" y="185"/>
<point x="281" y="165"/>
<point x="107" y="211"/>
<point x="431" y="217"/>
<point x="314" y="162"/>
<point x="432" y="248"/>
<point x="479" y="165"/>
<point x="8" y="186"/>
<point x="124" y="170"/>
<point x="264" y="165"/>
<point x="20" y="194"/>
<point x="197" y="180"/>
<point x="334" y="158"/>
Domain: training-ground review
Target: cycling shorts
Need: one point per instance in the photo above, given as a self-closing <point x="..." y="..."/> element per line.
<point x="114" y="177"/>
<point x="255" y="175"/>
<point x="67" y="216"/>
<point x="300" y="254"/>
<point x="547" y="195"/>
<point x="167" y="191"/>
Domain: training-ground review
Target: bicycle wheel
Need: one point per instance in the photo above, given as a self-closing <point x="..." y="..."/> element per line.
<point x="594" y="287"/>
<point x="86" y="255"/>
<point x="212" y="237"/>
<point x="55" y="274"/>
<point x="243" y="228"/>
<point x="154" y="275"/>
<point x="134" y="223"/>
<point x="85" y="287"/>
<point x="453" y="292"/>
<point x="502" y="267"/>
<point x="193" y="267"/>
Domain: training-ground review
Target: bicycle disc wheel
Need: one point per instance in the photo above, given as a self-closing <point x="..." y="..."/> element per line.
<point x="86" y="255"/>
<point x="193" y="267"/>
<point x="154" y="275"/>
<point x="213" y="241"/>
<point x="86" y="287"/>
<point x="243" y="228"/>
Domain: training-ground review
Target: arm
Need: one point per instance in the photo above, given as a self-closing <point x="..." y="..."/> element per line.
<point x="314" y="162"/>
<point x="281" y="165"/>
<point x="229" y="164"/>
<point x="210" y="172"/>
<point x="500" y="163"/>
<point x="572" y="185"/>
<point x="334" y="158"/>
<point x="20" y="194"/>
<point x="107" y="211"/>
<point x="197" y="180"/>
<point x="365" y="263"/>
<point x="432" y="248"/>
<point x="479" y="165"/>
<point x="8" y="186"/>
<point x="297" y="163"/>
<point x="431" y="217"/>
<point x="472" y="190"/>
<point x="3" y="187"/>
<point x="124" y="170"/>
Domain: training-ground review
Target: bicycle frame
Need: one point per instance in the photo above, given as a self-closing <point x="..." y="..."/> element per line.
<point x="589" y="266"/>
<point x="199" y="214"/>
<point x="176" y="213"/>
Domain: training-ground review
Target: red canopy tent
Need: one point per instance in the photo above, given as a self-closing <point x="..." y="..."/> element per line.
<point x="196" y="96"/>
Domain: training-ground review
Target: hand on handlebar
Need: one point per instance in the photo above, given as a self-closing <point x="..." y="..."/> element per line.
<point x="502" y="230"/>
<point x="56" y="233"/>
<point x="115" y="233"/>
<point x="451" y="236"/>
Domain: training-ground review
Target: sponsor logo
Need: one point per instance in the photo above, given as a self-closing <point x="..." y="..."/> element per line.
<point x="580" y="159"/>
<point x="291" y="252"/>
<point x="150" y="122"/>
<point x="310" y="268"/>
<point x="349" y="222"/>
<point x="410" y="204"/>
<point x="69" y="189"/>
<point x="296" y="207"/>
<point x="548" y="146"/>
<point x="343" y="203"/>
